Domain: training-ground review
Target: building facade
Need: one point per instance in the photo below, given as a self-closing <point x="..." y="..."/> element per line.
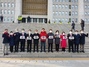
<point x="41" y="11"/>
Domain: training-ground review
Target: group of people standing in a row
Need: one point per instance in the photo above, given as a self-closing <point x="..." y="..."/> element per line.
<point x="18" y="40"/>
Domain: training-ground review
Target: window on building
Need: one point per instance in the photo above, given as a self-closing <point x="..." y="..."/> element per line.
<point x="59" y="6"/>
<point x="41" y="20"/>
<point x="59" y="13"/>
<point x="76" y="13"/>
<point x="9" y="5"/>
<point x="12" y="12"/>
<point x="69" y="13"/>
<point x="2" y="11"/>
<point x="66" y="6"/>
<point x="76" y="7"/>
<point x="12" y="5"/>
<point x="2" y="4"/>
<point x="72" y="13"/>
<point x="62" y="13"/>
<point x="69" y="0"/>
<point x="69" y="6"/>
<point x="69" y="19"/>
<point x="85" y="6"/>
<point x="12" y="19"/>
<point x="66" y="13"/>
<point x="63" y="6"/>
<point x="85" y="13"/>
<point x="35" y="20"/>
<point x="9" y="12"/>
<point x="5" y="11"/>
<point x="5" y="5"/>
<point x="5" y="19"/>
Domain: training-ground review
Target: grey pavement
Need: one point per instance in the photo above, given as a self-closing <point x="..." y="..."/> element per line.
<point x="44" y="63"/>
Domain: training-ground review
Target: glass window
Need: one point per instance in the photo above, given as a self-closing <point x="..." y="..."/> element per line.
<point x="9" y="12"/>
<point x="59" y="6"/>
<point x="53" y="6"/>
<point x="5" y="11"/>
<point x="2" y="11"/>
<point x="12" y="12"/>
<point x="9" y="5"/>
<point x="69" y="6"/>
<point x="8" y="19"/>
<point x="59" y="13"/>
<point x="2" y="4"/>
<point x="56" y="6"/>
<point x="76" y="13"/>
<point x="12" y="5"/>
<point x="62" y="20"/>
<point x="59" y="20"/>
<point x="56" y="13"/>
<point x="5" y="19"/>
<point x="76" y="7"/>
<point x="12" y="19"/>
<point x="69" y="0"/>
<point x="41" y="20"/>
<point x="85" y="13"/>
<point x="62" y="6"/>
<point x="34" y="19"/>
<point x="85" y="6"/>
<point x="66" y="13"/>
<point x="69" y="13"/>
<point x="62" y="13"/>
<point x="66" y="20"/>
<point x="66" y="6"/>
<point x="69" y="19"/>
<point x="5" y="5"/>
<point x="72" y="6"/>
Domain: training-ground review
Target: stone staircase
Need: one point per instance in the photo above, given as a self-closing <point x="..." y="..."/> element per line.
<point x="39" y="26"/>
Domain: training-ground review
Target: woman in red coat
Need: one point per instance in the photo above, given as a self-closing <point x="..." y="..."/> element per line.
<point x="63" y="38"/>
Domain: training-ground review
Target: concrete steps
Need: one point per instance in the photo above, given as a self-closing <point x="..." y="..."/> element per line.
<point x="33" y="26"/>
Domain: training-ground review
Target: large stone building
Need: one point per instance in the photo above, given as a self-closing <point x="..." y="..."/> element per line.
<point x="45" y="10"/>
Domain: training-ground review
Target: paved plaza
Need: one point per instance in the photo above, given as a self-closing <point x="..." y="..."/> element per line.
<point x="44" y="63"/>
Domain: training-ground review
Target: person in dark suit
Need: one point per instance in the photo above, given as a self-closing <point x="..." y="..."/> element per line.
<point x="36" y="37"/>
<point x="82" y="41"/>
<point x="70" y="37"/>
<point x="57" y="40"/>
<point x="29" y="41"/>
<point x="50" y="40"/>
<point x="82" y="24"/>
<point x="23" y="36"/>
<point x="5" y="37"/>
<point x="1" y="18"/>
<point x="76" y="41"/>
<point x="11" y="42"/>
<point x="17" y="39"/>
<point x="73" y="26"/>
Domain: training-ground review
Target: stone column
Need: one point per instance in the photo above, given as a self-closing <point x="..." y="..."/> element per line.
<point x="50" y="11"/>
<point x="18" y="9"/>
<point x="80" y="10"/>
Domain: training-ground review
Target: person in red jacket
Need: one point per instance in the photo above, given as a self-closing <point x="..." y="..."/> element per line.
<point x="63" y="38"/>
<point x="43" y="37"/>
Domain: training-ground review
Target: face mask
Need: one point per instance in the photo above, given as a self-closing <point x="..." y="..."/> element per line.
<point x="29" y="32"/>
<point x="23" y="31"/>
<point x="63" y="33"/>
<point x="70" y="32"/>
<point x="50" y="31"/>
<point x="76" y="33"/>
<point x="11" y="33"/>
<point x="57" y="33"/>
<point x="36" y="32"/>
<point x="82" y="32"/>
